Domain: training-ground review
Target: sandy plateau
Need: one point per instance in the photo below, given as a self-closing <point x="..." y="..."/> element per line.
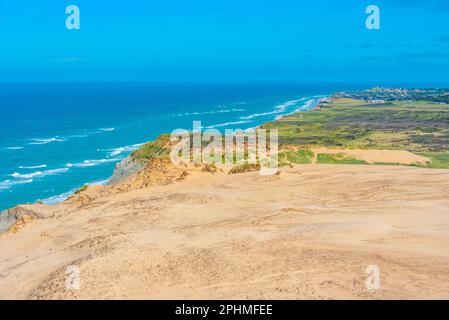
<point x="307" y="233"/>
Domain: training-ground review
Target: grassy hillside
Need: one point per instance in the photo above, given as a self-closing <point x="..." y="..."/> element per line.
<point x="421" y="127"/>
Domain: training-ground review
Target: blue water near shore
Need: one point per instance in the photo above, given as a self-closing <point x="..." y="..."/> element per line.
<point x="56" y="137"/>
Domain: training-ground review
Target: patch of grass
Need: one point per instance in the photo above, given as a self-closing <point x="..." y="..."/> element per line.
<point x="300" y="156"/>
<point x="438" y="160"/>
<point x="150" y="150"/>
<point x="419" y="126"/>
<point x="339" y="158"/>
<point x="159" y="148"/>
<point x="387" y="164"/>
<point x="244" y="168"/>
<point x="83" y="188"/>
<point x="416" y="126"/>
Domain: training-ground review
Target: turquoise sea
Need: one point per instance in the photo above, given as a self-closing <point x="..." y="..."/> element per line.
<point x="56" y="137"/>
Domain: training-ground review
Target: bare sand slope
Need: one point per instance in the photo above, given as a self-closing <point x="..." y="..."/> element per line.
<point x="308" y="233"/>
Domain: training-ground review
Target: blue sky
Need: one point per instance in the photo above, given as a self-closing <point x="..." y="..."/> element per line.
<point x="224" y="40"/>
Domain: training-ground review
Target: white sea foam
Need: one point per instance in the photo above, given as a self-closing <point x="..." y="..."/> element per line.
<point x="4" y="185"/>
<point x="256" y="115"/>
<point x="58" y="198"/>
<point x="277" y="110"/>
<point x="209" y="112"/>
<point x="106" y="129"/>
<point x="26" y="176"/>
<point x="281" y="109"/>
<point x="64" y="196"/>
<point x="117" y="151"/>
<point x="91" y="163"/>
<point x="33" y="167"/>
<point x="227" y="124"/>
<point x="307" y="106"/>
<point x="14" y="148"/>
<point x="76" y="136"/>
<point x="39" y="141"/>
<point x="39" y="173"/>
<point x="98" y="183"/>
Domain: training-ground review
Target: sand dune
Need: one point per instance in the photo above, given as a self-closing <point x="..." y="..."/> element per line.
<point x="307" y="233"/>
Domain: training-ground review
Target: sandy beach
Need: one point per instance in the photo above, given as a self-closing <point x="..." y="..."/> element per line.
<point x="309" y="232"/>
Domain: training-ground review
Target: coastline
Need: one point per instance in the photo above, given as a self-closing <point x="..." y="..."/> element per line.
<point x="307" y="103"/>
<point x="224" y="159"/>
<point x="200" y="232"/>
<point x="126" y="166"/>
<point x="58" y="198"/>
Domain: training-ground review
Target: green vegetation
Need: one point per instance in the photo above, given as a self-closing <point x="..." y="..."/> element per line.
<point x="350" y="122"/>
<point x="244" y="168"/>
<point x="387" y="164"/>
<point x="338" y="159"/>
<point x="149" y="151"/>
<point x="300" y="156"/>
<point x="421" y="127"/>
<point x="346" y="123"/>
<point x="414" y="126"/>
<point x="439" y="160"/>
<point x="160" y="148"/>
<point x="83" y="188"/>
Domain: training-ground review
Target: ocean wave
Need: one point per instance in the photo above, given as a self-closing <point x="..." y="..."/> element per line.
<point x="58" y="198"/>
<point x="64" y="196"/>
<point x="98" y="183"/>
<point x="256" y="115"/>
<point x="39" y="141"/>
<point x="307" y="106"/>
<point x="117" y="151"/>
<point x="42" y="141"/>
<point x="208" y="112"/>
<point x="4" y="185"/>
<point x="76" y="136"/>
<point x="38" y="173"/>
<point x="106" y="129"/>
<point x="227" y="124"/>
<point x="33" y="167"/>
<point x="91" y="163"/>
<point x="280" y="108"/>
